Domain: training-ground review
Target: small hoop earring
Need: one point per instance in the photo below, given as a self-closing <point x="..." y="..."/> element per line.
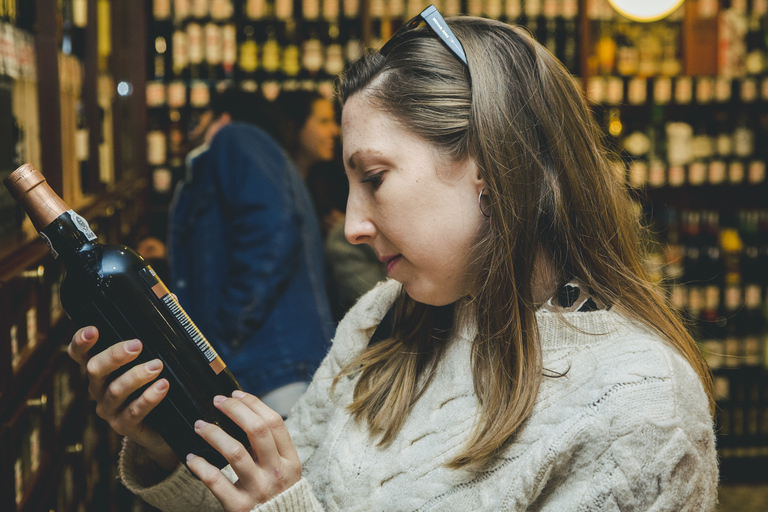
<point x="480" y="204"/>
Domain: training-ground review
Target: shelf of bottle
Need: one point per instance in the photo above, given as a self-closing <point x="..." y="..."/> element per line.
<point x="719" y="173"/>
<point x="196" y="94"/>
<point x="675" y="90"/>
<point x="742" y="427"/>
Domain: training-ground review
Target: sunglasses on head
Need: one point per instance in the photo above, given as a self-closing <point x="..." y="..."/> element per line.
<point x="435" y="21"/>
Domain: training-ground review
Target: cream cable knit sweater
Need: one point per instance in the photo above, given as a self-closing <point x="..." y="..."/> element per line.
<point x="626" y="429"/>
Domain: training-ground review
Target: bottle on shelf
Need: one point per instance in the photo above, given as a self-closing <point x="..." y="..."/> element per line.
<point x="196" y="50"/>
<point x="113" y="288"/>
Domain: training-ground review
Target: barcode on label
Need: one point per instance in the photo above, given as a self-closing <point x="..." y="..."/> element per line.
<point x="191" y="329"/>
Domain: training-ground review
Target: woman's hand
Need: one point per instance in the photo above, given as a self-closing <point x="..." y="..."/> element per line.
<point x="269" y="467"/>
<point x="110" y="395"/>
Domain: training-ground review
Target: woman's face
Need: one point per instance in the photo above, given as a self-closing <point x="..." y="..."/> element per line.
<point x="418" y="211"/>
<point x="318" y="135"/>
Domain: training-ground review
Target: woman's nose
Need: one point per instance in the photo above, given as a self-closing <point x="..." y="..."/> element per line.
<point x="358" y="227"/>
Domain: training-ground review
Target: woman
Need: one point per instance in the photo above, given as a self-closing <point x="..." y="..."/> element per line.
<point x="310" y="129"/>
<point x="526" y="363"/>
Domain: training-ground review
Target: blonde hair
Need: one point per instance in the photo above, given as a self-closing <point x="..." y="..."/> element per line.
<point x="551" y="186"/>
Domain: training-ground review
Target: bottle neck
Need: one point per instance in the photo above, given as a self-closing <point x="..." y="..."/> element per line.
<point x="65" y="232"/>
<point x="68" y="235"/>
<point x="39" y="201"/>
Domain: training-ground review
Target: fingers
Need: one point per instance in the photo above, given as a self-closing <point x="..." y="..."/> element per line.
<point x="225" y="491"/>
<point x="118" y="391"/>
<point x="269" y="467"/>
<point x="233" y="450"/>
<point x="81" y="343"/>
<point x="271" y="444"/>
<point x="273" y="420"/>
<point x="129" y="420"/>
<point x="101" y="365"/>
<point x="262" y="480"/>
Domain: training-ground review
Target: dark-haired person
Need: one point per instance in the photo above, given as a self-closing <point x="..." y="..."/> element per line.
<point x="246" y="254"/>
<point x="310" y="128"/>
<point x="518" y="359"/>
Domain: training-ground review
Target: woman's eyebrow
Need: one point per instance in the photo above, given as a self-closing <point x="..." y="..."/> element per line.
<point x="360" y="154"/>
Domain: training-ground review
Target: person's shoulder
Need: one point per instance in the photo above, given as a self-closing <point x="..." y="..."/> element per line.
<point x="633" y="375"/>
<point x="248" y="143"/>
<point x="242" y="132"/>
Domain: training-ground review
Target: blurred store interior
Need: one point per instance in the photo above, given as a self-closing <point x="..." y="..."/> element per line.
<point x="104" y="96"/>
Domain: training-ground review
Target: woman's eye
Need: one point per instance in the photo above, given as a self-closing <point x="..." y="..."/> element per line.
<point x="373" y="179"/>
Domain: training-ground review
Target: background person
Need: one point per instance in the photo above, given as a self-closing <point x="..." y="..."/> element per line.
<point x="246" y="254"/>
<point x="310" y="128"/>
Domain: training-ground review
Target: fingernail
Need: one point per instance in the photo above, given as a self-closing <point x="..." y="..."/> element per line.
<point x="89" y="333"/>
<point x="237" y="394"/>
<point x="154" y="365"/>
<point x="199" y="424"/>
<point x="133" y="346"/>
<point x="218" y="399"/>
<point x="160" y="385"/>
<point x="191" y="456"/>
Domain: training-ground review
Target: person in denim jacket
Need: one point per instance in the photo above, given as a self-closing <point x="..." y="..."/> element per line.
<point x="246" y="254"/>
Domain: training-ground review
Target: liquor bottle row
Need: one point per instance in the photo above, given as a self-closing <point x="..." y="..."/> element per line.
<point x="706" y="246"/>
<point x="678" y="154"/>
<point x="657" y="173"/>
<point x="742" y="415"/>
<point x="248" y="56"/>
<point x="717" y="274"/>
<point x="179" y="11"/>
<point x="242" y="49"/>
<point x="677" y="90"/>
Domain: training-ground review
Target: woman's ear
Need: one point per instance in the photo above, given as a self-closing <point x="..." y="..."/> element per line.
<point x="479" y="181"/>
<point x="480" y="188"/>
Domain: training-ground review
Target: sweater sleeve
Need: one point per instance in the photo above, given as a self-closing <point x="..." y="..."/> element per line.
<point x="645" y="445"/>
<point x="179" y="492"/>
<point x="298" y="498"/>
<point x="652" y="469"/>
<point x="182" y="492"/>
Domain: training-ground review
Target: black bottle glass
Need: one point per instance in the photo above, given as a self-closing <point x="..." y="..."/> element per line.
<point x="113" y="288"/>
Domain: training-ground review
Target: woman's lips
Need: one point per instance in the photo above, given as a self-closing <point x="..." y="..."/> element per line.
<point x="391" y="263"/>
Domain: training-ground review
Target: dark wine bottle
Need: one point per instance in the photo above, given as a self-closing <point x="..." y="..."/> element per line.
<point x="113" y="288"/>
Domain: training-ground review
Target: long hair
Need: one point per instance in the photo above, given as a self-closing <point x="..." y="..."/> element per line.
<point x="552" y="190"/>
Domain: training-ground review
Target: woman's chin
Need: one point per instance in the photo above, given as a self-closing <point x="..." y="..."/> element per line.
<point x="431" y="297"/>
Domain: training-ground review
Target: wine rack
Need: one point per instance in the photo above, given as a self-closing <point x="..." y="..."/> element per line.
<point x="58" y="97"/>
<point x="687" y="132"/>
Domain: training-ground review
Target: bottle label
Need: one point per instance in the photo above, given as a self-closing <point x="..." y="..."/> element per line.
<point x="161" y="9"/>
<point x="82" y="225"/>
<point x="195" y="43"/>
<point x="162" y="292"/>
<point x="213" y="44"/>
